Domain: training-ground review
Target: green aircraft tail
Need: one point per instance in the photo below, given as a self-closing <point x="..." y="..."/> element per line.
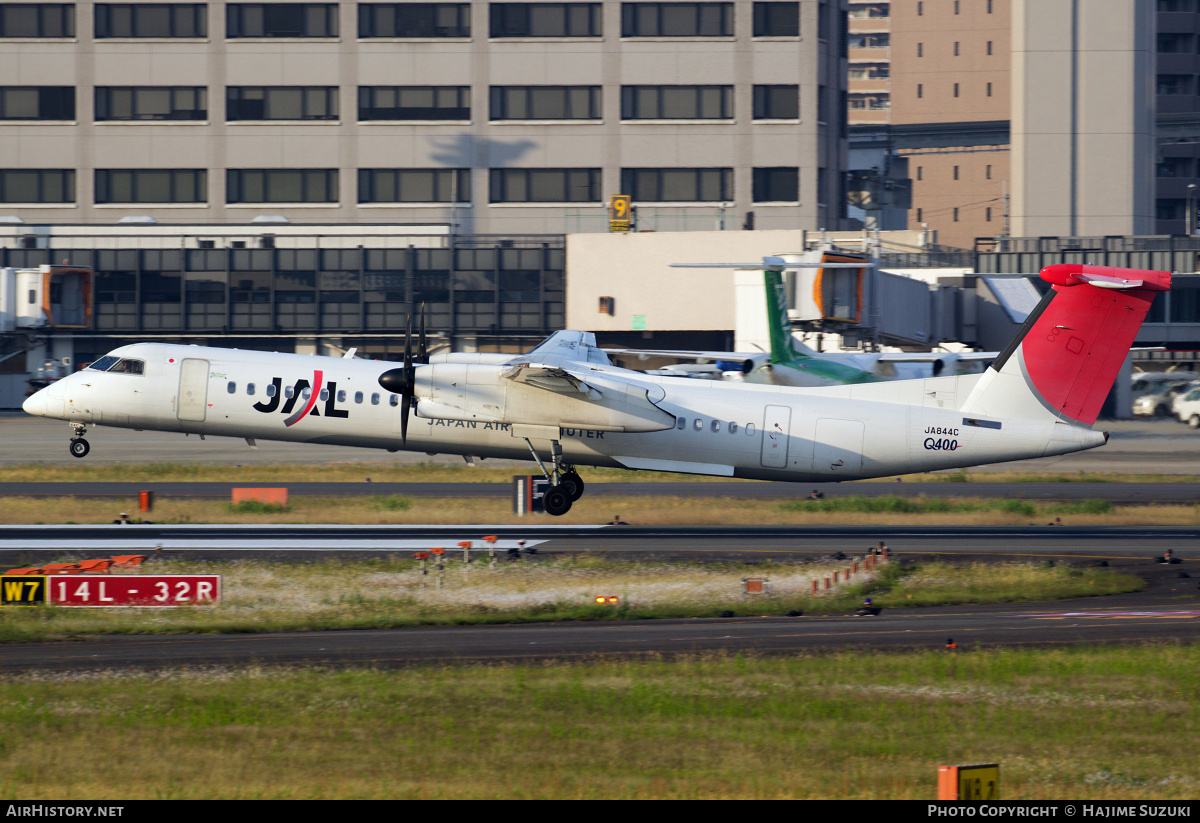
<point x="782" y="350"/>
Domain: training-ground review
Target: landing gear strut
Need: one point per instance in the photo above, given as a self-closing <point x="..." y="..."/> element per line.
<point x="566" y="486"/>
<point x="79" y="446"/>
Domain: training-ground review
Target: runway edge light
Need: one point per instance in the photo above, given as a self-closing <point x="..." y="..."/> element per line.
<point x="977" y="781"/>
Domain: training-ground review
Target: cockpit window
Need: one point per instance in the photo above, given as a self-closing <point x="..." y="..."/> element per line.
<point x="110" y="363"/>
<point x="126" y="366"/>
<point x="104" y="363"/>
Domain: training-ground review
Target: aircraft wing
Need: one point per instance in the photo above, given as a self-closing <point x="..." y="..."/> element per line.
<point x="551" y="378"/>
<point x="930" y="356"/>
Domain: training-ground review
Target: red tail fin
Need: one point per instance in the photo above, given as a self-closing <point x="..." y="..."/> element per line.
<point x="1072" y="345"/>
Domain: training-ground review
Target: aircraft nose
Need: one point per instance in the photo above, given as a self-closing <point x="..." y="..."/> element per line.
<point x="35" y="403"/>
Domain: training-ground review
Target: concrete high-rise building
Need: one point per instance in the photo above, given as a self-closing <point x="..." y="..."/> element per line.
<point x="495" y="117"/>
<point x="1039" y="117"/>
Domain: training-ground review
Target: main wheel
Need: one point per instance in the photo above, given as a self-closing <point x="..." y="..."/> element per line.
<point x="556" y="501"/>
<point x="572" y="484"/>
<point x="80" y="447"/>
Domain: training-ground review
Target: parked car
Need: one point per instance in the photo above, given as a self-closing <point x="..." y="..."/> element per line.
<point x="1144" y="382"/>
<point x="1186" y="406"/>
<point x="1157" y="403"/>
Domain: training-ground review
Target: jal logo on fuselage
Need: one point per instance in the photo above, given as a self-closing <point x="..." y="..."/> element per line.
<point x="272" y="403"/>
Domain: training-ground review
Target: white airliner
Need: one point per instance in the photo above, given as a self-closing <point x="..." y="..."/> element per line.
<point x="564" y="404"/>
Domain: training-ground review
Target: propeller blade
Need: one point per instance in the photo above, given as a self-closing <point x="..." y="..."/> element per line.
<point x="422" y="349"/>
<point x="405" y="407"/>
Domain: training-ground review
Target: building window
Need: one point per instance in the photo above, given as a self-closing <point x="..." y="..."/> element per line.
<point x="989" y="89"/>
<point x="414" y="19"/>
<point x="677" y="19"/>
<point x="281" y="20"/>
<point x="151" y="103"/>
<point x="150" y="185"/>
<point x="37" y="185"/>
<point x="545" y="103"/>
<point x="776" y="102"/>
<point x="956" y="89"/>
<point x="777" y="185"/>
<point x="920" y="49"/>
<point x="678" y="185"/>
<point x="920" y="90"/>
<point x="151" y="20"/>
<point x="989" y="47"/>
<point x="414" y="102"/>
<point x="956" y="215"/>
<point x="776" y="19"/>
<point x="956" y="48"/>
<point x="920" y="172"/>
<point x="988" y="172"/>
<point x="37" y="102"/>
<point x="281" y="185"/>
<point x="987" y="212"/>
<point x="545" y="20"/>
<point x="956" y="172"/>
<point x="414" y="185"/>
<point x="544" y="185"/>
<point x="281" y="103"/>
<point x="1174" y="84"/>
<point x="37" y="20"/>
<point x="676" y="102"/>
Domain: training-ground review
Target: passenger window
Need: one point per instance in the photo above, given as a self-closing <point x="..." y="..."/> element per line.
<point x="324" y="395"/>
<point x="288" y="392"/>
<point x="306" y="392"/>
<point x="231" y="387"/>
<point x="341" y="396"/>
<point x="375" y="399"/>
<point x="681" y="423"/>
<point x="394" y="400"/>
<point x="271" y="390"/>
<point x="749" y="428"/>
<point x="358" y="397"/>
<point x="250" y="388"/>
<point x="716" y="426"/>
<point x="732" y="427"/>
<point x="698" y="425"/>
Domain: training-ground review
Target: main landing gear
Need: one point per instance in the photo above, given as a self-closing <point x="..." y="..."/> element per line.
<point x="79" y="446"/>
<point x="566" y="486"/>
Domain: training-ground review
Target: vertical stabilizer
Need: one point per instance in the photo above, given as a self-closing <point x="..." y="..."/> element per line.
<point x="778" y="323"/>
<point x="1065" y="357"/>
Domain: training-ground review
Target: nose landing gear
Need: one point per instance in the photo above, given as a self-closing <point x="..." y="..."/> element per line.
<point x="79" y="446"/>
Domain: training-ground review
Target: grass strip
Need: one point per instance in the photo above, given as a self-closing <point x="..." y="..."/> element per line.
<point x="260" y="596"/>
<point x="1076" y="723"/>
<point x="439" y="472"/>
<point x="641" y="509"/>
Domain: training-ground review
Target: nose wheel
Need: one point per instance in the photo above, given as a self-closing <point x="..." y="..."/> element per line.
<point x="79" y="446"/>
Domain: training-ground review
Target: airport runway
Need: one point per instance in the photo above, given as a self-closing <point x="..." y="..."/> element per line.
<point x="37" y="544"/>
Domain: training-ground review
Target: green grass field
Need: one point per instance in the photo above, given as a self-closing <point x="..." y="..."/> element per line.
<point x="1081" y="723"/>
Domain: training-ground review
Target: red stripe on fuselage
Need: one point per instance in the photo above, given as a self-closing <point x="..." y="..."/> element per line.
<point x="318" y="376"/>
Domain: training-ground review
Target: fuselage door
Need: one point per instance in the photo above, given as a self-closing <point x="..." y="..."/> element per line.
<point x="839" y="446"/>
<point x="776" y="422"/>
<point x="193" y="389"/>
